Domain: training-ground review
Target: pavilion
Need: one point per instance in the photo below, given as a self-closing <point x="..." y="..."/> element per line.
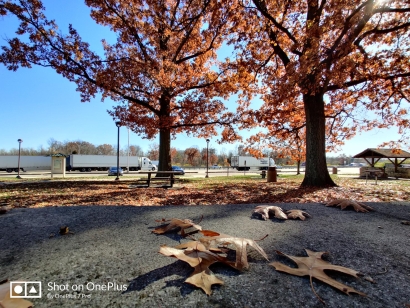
<point x="373" y="155"/>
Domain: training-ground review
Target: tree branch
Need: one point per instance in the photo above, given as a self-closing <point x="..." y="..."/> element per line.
<point x="381" y="31"/>
<point x="261" y="6"/>
<point x="363" y="80"/>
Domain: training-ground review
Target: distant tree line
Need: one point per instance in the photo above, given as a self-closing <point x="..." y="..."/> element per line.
<point x="192" y="156"/>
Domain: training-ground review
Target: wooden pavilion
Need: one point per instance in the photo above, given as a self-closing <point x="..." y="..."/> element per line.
<point x="373" y="155"/>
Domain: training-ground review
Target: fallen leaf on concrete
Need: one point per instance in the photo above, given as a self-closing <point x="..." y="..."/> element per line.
<point x="264" y="211"/>
<point x="65" y="230"/>
<point x="369" y="279"/>
<point x="213" y="239"/>
<point x="314" y="266"/>
<point x="7" y="302"/>
<point x="405" y="222"/>
<point x="200" y="259"/>
<point x="295" y="214"/>
<point x="175" y="224"/>
<point x="344" y="203"/>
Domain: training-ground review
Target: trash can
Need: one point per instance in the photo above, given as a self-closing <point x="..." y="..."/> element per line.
<point x="334" y="170"/>
<point x="271" y="174"/>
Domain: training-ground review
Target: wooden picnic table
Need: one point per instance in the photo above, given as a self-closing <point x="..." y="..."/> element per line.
<point x="374" y="172"/>
<point x="149" y="179"/>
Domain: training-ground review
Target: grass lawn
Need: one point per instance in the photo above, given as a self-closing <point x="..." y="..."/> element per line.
<point x="195" y="191"/>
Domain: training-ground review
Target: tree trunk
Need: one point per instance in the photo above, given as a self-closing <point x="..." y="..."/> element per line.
<point x="298" y="167"/>
<point x="164" y="151"/>
<point x="316" y="172"/>
<point x="164" y="163"/>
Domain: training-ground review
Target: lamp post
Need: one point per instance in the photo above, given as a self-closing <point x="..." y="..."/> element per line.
<point x="128" y="152"/>
<point x="207" y="157"/>
<point x="18" y="176"/>
<point x="118" y="124"/>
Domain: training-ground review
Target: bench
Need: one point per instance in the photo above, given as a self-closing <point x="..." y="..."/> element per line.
<point x="160" y="179"/>
<point x="167" y="179"/>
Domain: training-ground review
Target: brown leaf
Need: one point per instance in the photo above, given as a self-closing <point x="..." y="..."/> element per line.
<point x="176" y="224"/>
<point x="344" y="203"/>
<point x="202" y="277"/>
<point x="200" y="260"/>
<point x="191" y="245"/>
<point x="314" y="267"/>
<point x="209" y="233"/>
<point x="264" y="210"/>
<point x="64" y="230"/>
<point x="295" y="214"/>
<point x="239" y="243"/>
<point x="7" y="302"/>
<point x="4" y="207"/>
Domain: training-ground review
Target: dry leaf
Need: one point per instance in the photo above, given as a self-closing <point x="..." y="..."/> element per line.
<point x="295" y="214"/>
<point x="314" y="267"/>
<point x="7" y="302"/>
<point x="264" y="210"/>
<point x="4" y="207"/>
<point x="176" y="224"/>
<point x="200" y="259"/>
<point x="344" y="203"/>
<point x="202" y="277"/>
<point x="213" y="239"/>
<point x="64" y="230"/>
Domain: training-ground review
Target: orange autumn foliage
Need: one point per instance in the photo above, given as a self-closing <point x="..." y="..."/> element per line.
<point x="327" y="69"/>
<point x="163" y="70"/>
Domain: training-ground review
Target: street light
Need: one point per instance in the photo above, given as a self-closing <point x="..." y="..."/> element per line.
<point x="19" y="141"/>
<point x="207" y="156"/>
<point x="118" y="124"/>
<point x="128" y="152"/>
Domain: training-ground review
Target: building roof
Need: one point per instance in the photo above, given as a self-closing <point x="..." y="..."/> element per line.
<point x="383" y="153"/>
<point x="58" y="155"/>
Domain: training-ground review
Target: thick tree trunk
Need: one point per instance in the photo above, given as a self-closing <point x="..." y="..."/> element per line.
<point x="316" y="172"/>
<point x="164" y="151"/>
<point x="164" y="163"/>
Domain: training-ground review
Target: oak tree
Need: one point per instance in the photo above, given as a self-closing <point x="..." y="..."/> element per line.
<point x="105" y="149"/>
<point x="345" y="61"/>
<point x="162" y="70"/>
<point x="192" y="156"/>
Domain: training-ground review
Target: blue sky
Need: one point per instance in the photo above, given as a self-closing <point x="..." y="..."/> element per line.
<point x="37" y="104"/>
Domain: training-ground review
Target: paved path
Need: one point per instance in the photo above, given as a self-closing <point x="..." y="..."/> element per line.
<point x="113" y="256"/>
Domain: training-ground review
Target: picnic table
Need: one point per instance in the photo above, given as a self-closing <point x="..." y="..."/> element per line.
<point x="373" y="173"/>
<point x="168" y="179"/>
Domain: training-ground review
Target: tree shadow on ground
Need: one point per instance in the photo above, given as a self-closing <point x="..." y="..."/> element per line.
<point x="180" y="269"/>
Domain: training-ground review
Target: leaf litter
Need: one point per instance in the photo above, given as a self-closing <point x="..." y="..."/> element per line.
<point x="73" y="193"/>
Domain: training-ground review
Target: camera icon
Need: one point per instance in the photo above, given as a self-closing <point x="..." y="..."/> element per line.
<point x="25" y="289"/>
